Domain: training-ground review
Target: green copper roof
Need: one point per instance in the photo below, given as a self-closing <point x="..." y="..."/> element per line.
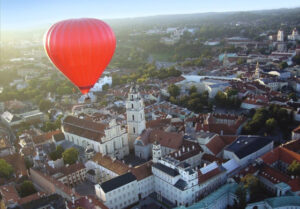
<point x="211" y="198"/>
<point x="283" y="186"/>
<point x="282" y="201"/>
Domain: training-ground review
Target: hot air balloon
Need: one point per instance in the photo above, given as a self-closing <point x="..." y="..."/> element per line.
<point x="81" y="49"/>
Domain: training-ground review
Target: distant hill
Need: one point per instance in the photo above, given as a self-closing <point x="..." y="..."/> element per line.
<point x="272" y="18"/>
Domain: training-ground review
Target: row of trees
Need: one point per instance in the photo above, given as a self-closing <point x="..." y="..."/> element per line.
<point x="70" y="156"/>
<point x="195" y="101"/>
<point x="227" y="99"/>
<point x="268" y="119"/>
<point x="145" y="73"/>
<point x="251" y="184"/>
<point x="37" y="89"/>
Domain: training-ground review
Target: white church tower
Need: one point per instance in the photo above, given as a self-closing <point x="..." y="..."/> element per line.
<point x="257" y="71"/>
<point x="135" y="115"/>
<point x="156" y="152"/>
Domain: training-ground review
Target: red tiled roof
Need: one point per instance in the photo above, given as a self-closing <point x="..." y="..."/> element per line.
<point x="44" y="137"/>
<point x="293" y="145"/>
<point x="297" y="130"/>
<point x="58" y="185"/>
<point x="204" y="177"/>
<point x="114" y="165"/>
<point x="190" y="149"/>
<point x="216" y="145"/>
<point x="210" y="158"/>
<point x="142" y="171"/>
<point x="158" y="124"/>
<point x="167" y="139"/>
<point x="282" y="154"/>
<point x="273" y="175"/>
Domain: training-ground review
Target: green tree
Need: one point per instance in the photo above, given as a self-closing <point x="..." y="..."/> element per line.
<point x="57" y="154"/>
<point x="241" y="61"/>
<point x="6" y="170"/>
<point x="28" y="163"/>
<point x="271" y="124"/>
<point x="105" y="87"/>
<point x="283" y="65"/>
<point x="70" y="156"/>
<point x="45" y="105"/>
<point x="296" y="59"/>
<point x="26" y="189"/>
<point x="241" y="196"/>
<point x="292" y="96"/>
<point x="174" y="90"/>
<point x="220" y="98"/>
<point x="192" y="90"/>
<point x="294" y="168"/>
<point x="251" y="182"/>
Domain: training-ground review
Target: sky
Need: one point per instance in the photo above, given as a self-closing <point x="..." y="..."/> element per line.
<point x="26" y="14"/>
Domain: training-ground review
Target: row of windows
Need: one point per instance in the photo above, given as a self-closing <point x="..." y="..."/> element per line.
<point x="125" y="203"/>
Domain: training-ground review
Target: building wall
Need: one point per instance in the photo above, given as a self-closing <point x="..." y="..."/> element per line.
<point x="143" y="152"/>
<point x="114" y="144"/>
<point x="245" y="161"/>
<point x="135" y="117"/>
<point x="74" y="178"/>
<point x="120" y="197"/>
<point x="104" y="173"/>
<point x="39" y="180"/>
<point x="145" y="186"/>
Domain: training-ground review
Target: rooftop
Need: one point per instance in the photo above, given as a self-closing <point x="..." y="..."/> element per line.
<point x="170" y="171"/>
<point x="283" y="201"/>
<point x="246" y="145"/>
<point x="212" y="197"/>
<point x="117" y="182"/>
<point x="115" y="166"/>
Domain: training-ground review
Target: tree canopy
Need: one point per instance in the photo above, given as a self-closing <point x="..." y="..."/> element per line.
<point x="26" y="189"/>
<point x="294" y="168"/>
<point x="6" y="170"/>
<point x="70" y="156"/>
<point x="174" y="90"/>
<point x="57" y="154"/>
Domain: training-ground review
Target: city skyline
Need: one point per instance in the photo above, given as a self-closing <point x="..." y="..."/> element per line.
<point x="33" y="13"/>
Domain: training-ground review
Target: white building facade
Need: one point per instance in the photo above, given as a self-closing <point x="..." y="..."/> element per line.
<point x="108" y="139"/>
<point x="136" y="122"/>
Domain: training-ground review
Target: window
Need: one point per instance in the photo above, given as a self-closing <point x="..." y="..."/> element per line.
<point x="133" y="117"/>
<point x="134" y="130"/>
<point x="132" y="106"/>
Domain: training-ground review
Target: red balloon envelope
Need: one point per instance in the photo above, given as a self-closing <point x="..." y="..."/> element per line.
<point x="81" y="49"/>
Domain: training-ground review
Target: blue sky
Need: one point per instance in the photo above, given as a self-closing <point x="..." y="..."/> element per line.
<point x="22" y="14"/>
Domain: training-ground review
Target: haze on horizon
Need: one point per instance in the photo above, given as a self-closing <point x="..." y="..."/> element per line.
<point x="28" y="14"/>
